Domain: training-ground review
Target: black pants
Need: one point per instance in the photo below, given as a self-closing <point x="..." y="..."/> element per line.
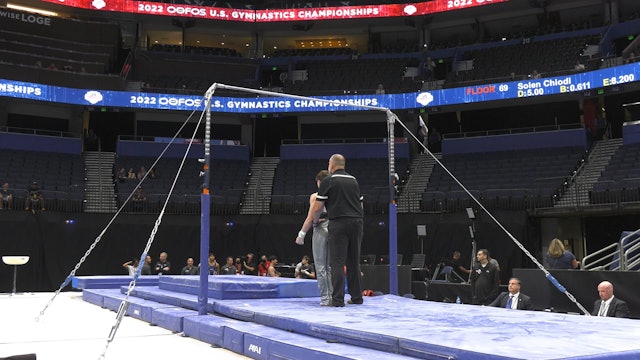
<point x="345" y="238"/>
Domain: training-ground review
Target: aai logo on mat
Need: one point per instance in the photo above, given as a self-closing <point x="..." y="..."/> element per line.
<point x="255" y="348"/>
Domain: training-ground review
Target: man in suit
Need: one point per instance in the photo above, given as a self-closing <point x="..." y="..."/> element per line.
<point x="609" y="305"/>
<point x="513" y="299"/>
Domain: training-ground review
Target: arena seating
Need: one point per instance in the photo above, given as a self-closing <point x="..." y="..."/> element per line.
<point x="166" y="71"/>
<point x="228" y="178"/>
<point x="551" y="56"/>
<point x="620" y="181"/>
<point x="359" y="75"/>
<point x="295" y="180"/>
<point x="506" y="180"/>
<point x="60" y="177"/>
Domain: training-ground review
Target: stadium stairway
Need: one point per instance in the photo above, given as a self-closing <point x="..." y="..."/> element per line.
<point x="420" y="170"/>
<point x="99" y="190"/>
<point x="578" y="193"/>
<point x="258" y="195"/>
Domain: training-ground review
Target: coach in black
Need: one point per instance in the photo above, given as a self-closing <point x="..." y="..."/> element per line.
<point x="340" y="194"/>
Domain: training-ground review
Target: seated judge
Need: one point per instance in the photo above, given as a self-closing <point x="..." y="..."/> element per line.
<point x="609" y="305"/>
<point x="513" y="299"/>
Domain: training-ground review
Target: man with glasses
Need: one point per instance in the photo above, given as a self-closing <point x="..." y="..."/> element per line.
<point x="513" y="299"/>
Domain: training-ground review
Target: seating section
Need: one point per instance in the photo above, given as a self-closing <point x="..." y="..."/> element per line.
<point x="196" y="50"/>
<point x="514" y="180"/>
<point x="546" y="57"/>
<point x="191" y="74"/>
<point x="620" y="181"/>
<point x="312" y="52"/>
<point x="295" y="180"/>
<point x="228" y="178"/>
<point x="60" y="177"/>
<point x="361" y="75"/>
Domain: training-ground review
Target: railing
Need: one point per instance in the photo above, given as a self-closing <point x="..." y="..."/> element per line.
<point x="333" y="141"/>
<point x="66" y="134"/>
<point x="52" y="200"/>
<point x="625" y="248"/>
<point x="513" y="131"/>
<point x="620" y="255"/>
<point x="601" y="259"/>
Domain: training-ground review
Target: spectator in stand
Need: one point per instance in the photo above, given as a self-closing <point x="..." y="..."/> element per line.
<point x="212" y="265"/>
<point x="238" y="264"/>
<point x="141" y="173"/>
<point x="146" y="267"/>
<point x="534" y="74"/>
<point x="121" y="175"/>
<point x="131" y="266"/>
<point x="272" y="272"/>
<point x="189" y="269"/>
<point x="249" y="265"/>
<point x="131" y="174"/>
<point x="34" y="197"/>
<point x="229" y="268"/>
<point x="631" y="58"/>
<point x="138" y="199"/>
<point x="6" y="197"/>
<point x="380" y="90"/>
<point x="263" y="267"/>
<point x="163" y="266"/>
<point x="559" y="258"/>
<point x="429" y="69"/>
<point x="306" y="270"/>
<point x="579" y="66"/>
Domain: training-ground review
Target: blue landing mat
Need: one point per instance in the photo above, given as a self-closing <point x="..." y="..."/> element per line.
<point x="242" y="286"/>
<point x="220" y="286"/>
<point x="111" y="281"/>
<point x="431" y="330"/>
<point x="263" y="342"/>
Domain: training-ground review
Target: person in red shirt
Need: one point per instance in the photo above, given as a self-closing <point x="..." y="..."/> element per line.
<point x="263" y="267"/>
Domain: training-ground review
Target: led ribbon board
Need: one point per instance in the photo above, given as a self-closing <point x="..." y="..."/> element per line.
<point x="274" y="15"/>
<point x="463" y="95"/>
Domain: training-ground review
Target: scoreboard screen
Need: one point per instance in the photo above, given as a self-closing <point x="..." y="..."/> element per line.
<point x="576" y="83"/>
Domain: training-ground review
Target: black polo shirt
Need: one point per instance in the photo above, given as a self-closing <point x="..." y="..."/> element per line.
<point x="340" y="193"/>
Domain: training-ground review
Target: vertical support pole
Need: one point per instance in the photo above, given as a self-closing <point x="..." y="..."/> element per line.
<point x="393" y="232"/>
<point x="205" y="219"/>
<point x="15" y="274"/>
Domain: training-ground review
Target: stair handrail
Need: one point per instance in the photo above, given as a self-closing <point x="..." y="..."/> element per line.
<point x="623" y="259"/>
<point x="634" y="260"/>
<point x="609" y="250"/>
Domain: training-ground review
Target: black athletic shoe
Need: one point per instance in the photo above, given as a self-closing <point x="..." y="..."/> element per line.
<point x="337" y="304"/>
<point x="355" y="301"/>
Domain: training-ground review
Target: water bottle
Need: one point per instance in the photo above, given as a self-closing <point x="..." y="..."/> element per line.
<point x="458" y="301"/>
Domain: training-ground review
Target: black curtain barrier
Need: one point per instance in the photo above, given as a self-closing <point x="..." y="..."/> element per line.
<point x="56" y="241"/>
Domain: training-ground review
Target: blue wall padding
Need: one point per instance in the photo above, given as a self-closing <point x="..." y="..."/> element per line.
<point x="535" y="140"/>
<point x="350" y="151"/>
<point x="631" y="133"/>
<point x="50" y="144"/>
<point x="153" y="149"/>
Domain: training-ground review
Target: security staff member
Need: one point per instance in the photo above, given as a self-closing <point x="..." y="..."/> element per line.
<point x="340" y="194"/>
